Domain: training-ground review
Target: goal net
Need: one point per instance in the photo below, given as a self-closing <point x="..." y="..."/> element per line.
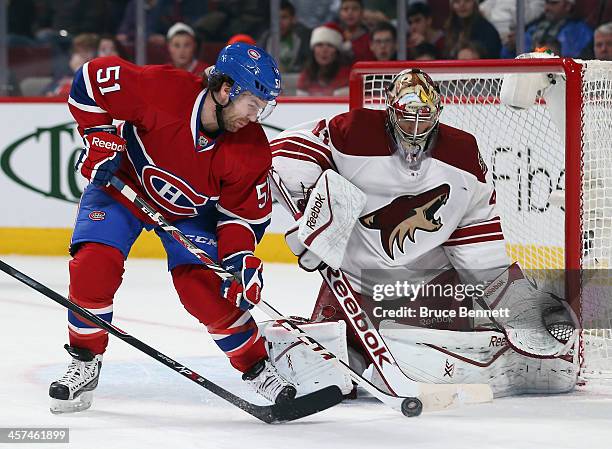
<point x="551" y="166"/>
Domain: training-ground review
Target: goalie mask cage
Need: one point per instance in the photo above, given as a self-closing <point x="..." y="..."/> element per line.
<point x="552" y="173"/>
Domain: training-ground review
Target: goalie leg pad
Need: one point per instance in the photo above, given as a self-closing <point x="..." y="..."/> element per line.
<point x="439" y="356"/>
<point x="308" y="371"/>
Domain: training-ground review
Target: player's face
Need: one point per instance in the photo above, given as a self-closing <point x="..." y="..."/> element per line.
<point x="383" y="45"/>
<point x="106" y="47"/>
<point x="463" y="8"/>
<point x="603" y="46"/>
<point x="243" y="109"/>
<point x="350" y="14"/>
<point x="419" y="24"/>
<point x="286" y="22"/>
<point x="325" y="54"/>
<point x="555" y="10"/>
<point x="182" y="49"/>
<point x="412" y="127"/>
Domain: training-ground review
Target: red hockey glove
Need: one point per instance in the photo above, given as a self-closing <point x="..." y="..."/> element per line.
<point x="247" y="293"/>
<point x="102" y="154"/>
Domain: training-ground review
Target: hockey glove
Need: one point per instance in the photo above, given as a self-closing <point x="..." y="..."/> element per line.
<point x="102" y="154"/>
<point x="244" y="291"/>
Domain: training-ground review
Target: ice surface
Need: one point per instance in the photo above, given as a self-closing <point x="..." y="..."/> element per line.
<point x="142" y="404"/>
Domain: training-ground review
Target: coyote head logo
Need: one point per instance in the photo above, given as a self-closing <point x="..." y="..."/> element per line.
<point x="405" y="215"/>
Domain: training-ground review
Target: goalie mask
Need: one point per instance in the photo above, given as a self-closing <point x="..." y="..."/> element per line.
<point x="413" y="106"/>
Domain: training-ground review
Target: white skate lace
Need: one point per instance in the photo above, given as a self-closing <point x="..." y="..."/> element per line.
<point x="78" y="373"/>
<point x="269" y="383"/>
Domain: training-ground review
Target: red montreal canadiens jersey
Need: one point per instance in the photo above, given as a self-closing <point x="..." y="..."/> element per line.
<point x="169" y="160"/>
<point x="443" y="217"/>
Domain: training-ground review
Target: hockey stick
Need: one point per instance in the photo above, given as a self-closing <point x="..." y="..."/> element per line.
<point x="433" y="396"/>
<point x="277" y="413"/>
<point x="409" y="404"/>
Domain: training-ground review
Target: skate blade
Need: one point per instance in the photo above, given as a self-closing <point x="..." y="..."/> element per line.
<point x="78" y="404"/>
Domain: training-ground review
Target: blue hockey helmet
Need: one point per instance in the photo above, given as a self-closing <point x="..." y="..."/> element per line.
<point x="252" y="70"/>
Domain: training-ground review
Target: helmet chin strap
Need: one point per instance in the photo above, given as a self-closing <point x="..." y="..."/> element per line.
<point x="218" y="111"/>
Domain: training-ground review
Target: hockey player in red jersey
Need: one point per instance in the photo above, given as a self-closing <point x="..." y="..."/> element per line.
<point x="429" y="217"/>
<point x="199" y="154"/>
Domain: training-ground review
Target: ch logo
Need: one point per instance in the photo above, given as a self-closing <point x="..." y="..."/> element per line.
<point x="449" y="369"/>
<point x="171" y="192"/>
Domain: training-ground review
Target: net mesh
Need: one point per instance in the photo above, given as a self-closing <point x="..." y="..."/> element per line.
<point x="524" y="150"/>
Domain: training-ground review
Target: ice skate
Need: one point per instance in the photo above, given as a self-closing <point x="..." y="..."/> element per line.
<point x="265" y="380"/>
<point x="73" y="392"/>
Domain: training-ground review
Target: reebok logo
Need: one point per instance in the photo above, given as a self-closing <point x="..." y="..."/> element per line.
<point x="361" y="323"/>
<point x="315" y="211"/>
<point x="497" y="341"/>
<point x="106" y="144"/>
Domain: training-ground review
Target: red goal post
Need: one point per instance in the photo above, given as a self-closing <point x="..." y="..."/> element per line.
<point x="553" y="178"/>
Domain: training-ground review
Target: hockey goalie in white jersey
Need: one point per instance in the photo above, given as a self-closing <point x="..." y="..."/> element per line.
<point x="428" y="218"/>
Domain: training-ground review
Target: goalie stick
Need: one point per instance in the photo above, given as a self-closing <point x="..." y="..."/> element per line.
<point x="278" y="413"/>
<point x="430" y="398"/>
<point x="433" y="396"/>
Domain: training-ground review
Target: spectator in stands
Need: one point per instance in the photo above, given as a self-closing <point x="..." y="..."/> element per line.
<point x="471" y="50"/>
<point x="502" y="14"/>
<point x="602" y="46"/>
<point x="293" y="40"/>
<point x="154" y="27"/>
<point x="356" y="37"/>
<point x="312" y="14"/>
<point x="425" y="52"/>
<point x="557" y="22"/>
<point x="421" y="30"/>
<point x="182" y="47"/>
<point x="324" y="73"/>
<point x="84" y="47"/>
<point x="230" y="17"/>
<point x="108" y="45"/>
<point x="384" y="42"/>
<point x="465" y="24"/>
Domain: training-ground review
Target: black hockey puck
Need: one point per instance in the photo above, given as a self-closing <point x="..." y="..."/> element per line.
<point x="412" y="407"/>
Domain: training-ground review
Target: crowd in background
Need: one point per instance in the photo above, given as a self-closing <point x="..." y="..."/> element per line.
<point x="319" y="40"/>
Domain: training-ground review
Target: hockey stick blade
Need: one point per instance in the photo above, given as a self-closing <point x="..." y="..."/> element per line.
<point x="278" y="413"/>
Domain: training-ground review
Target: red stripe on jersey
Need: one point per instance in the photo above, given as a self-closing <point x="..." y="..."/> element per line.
<point x="468" y="241"/>
<point x="487" y="227"/>
<point x="302" y="157"/>
<point x="304" y="142"/>
<point x="321" y="153"/>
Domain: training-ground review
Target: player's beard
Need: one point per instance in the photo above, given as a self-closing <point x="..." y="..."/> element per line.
<point x="233" y="121"/>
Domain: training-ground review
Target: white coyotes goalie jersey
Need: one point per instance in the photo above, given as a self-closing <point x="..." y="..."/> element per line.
<point x="444" y="217"/>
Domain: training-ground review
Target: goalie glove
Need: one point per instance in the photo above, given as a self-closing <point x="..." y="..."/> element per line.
<point x="536" y="324"/>
<point x="101" y="156"/>
<point x="307" y="260"/>
<point x="245" y="290"/>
